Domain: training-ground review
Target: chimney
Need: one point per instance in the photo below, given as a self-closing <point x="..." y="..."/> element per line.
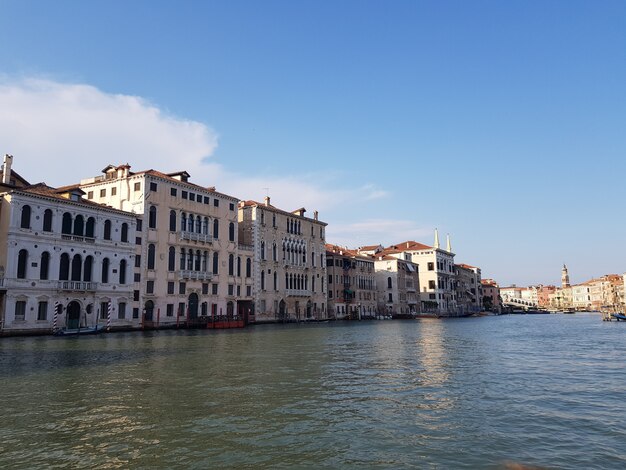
<point x="6" y="169"/>
<point x="315" y="215"/>
<point x="407" y="244"/>
<point x="267" y="200"/>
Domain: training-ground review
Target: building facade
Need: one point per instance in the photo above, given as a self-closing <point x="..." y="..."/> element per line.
<point x="469" y="290"/>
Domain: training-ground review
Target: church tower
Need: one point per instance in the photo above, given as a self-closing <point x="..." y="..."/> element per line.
<point x="564" y="277"/>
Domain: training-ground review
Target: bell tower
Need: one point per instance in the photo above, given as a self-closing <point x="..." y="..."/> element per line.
<point x="564" y="277"/>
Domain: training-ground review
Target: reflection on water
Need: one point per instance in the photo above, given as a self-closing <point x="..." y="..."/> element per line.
<point x="463" y="393"/>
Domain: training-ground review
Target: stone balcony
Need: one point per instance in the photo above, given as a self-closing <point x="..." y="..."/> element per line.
<point x="194" y="236"/>
<point x="80" y="286"/>
<point x="195" y="275"/>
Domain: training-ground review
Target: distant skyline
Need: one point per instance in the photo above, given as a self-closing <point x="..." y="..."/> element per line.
<point x="390" y="119"/>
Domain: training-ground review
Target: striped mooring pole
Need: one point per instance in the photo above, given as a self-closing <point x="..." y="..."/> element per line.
<point x="56" y="314"/>
<point x="109" y="308"/>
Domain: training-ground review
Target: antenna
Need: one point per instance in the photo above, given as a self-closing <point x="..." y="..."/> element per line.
<point x="267" y="191"/>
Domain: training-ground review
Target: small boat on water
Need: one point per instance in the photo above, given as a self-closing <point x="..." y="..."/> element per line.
<point x="619" y="316"/>
<point x="88" y="330"/>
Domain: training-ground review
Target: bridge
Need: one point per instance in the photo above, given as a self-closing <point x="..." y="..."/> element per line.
<point x="516" y="302"/>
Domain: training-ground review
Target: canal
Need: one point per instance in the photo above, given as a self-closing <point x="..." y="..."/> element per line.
<point x="546" y="390"/>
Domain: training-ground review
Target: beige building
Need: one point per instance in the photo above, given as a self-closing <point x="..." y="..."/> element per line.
<point x="397" y="280"/>
<point x="491" y="295"/>
<point x="288" y="262"/>
<point x="351" y="280"/>
<point x="187" y="268"/>
<point x="581" y="296"/>
<point x="469" y="290"/>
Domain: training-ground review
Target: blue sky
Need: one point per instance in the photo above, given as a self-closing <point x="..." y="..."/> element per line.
<point x="391" y="118"/>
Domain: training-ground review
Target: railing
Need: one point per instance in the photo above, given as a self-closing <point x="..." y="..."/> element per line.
<point x="78" y="238"/>
<point x="298" y="292"/>
<point x="245" y="247"/>
<point x="195" y="275"/>
<point x="194" y="236"/>
<point x="77" y="285"/>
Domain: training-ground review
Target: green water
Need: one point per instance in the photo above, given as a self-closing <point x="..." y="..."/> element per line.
<point x="546" y="390"/>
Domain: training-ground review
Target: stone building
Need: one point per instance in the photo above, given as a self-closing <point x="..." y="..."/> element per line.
<point x="397" y="280"/>
<point x="469" y="291"/>
<point x="288" y="261"/>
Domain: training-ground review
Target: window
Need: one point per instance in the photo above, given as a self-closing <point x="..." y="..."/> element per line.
<point x="216" y="228"/>
<point x="64" y="267"/>
<point x="153" y="186"/>
<point x="169" y="309"/>
<point x="136" y="310"/>
<point x="103" y="193"/>
<point x="151" y="255"/>
<point x="152" y="217"/>
<point x="139" y="225"/>
<point x="104" y="310"/>
<point x="121" y="310"/>
<point x="431" y="285"/>
<point x="25" y="220"/>
<point x="107" y="229"/>
<point x="90" y="227"/>
<point x="231" y="206"/>
<point x="170" y="287"/>
<point x="137" y="277"/>
<point x="238" y="266"/>
<point x="87" y="269"/>
<point x="173" y="192"/>
<point x="123" y="272"/>
<point x="150" y="287"/>
<point x="183" y="194"/>
<point x="263" y="280"/>
<point x="248" y="267"/>
<point x="205" y="288"/>
<point x="230" y="289"/>
<point x="214" y="289"/>
<point x="137" y="240"/>
<point x="330" y="278"/>
<point x="66" y="226"/>
<point x="113" y="191"/>
<point x="172" y="221"/>
<point x="231" y="232"/>
<point x="22" y="259"/>
<point x="181" y="309"/>
<point x="249" y="289"/>
<point x="215" y="263"/>
<point x="124" y="235"/>
<point x="44" y="265"/>
<point x="198" y="197"/>
<point x="206" y="200"/>
<point x="42" y="311"/>
<point x="135" y="297"/>
<point x="171" y="259"/>
<point x="105" y="271"/>
<point x="231" y="267"/>
<point x="390" y="297"/>
<point x="20" y="309"/>
<point x="216" y="202"/>
<point x="137" y="187"/>
<point x="137" y="261"/>
<point x="90" y="195"/>
<point x="47" y="221"/>
<point x="182" y="288"/>
<point x="389" y="284"/>
<point x="79" y="225"/>
<point x="431" y="266"/>
<point x="192" y="197"/>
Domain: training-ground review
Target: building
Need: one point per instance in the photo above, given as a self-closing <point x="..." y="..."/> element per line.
<point x="491" y="295"/>
<point x="187" y="266"/>
<point x="66" y="262"/>
<point x="469" y="291"/>
<point x="581" y="296"/>
<point x="288" y="261"/>
<point x="397" y="280"/>
<point x="351" y="280"/>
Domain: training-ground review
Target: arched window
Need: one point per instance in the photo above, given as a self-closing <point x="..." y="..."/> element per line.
<point x="64" y="267"/>
<point x="231" y="265"/>
<point x="215" y="263"/>
<point x="44" y="265"/>
<point x="87" y="269"/>
<point x="77" y="267"/>
<point x="123" y="271"/>
<point x="22" y="260"/>
<point x="25" y="220"/>
<point x="47" y="220"/>
<point x="231" y="232"/>
<point x="105" y="271"/>
<point x="171" y="259"/>
<point x="172" y="221"/>
<point x="66" y="226"/>
<point x="262" y="250"/>
<point x="198" y="261"/>
<point x="263" y="280"/>
<point x="151" y="255"/>
<point x="124" y="234"/>
<point x="275" y="281"/>
<point x="183" y="222"/>
<point x="389" y="282"/>
<point x="216" y="229"/>
<point x="191" y="222"/>
<point x="79" y="225"/>
<point x="274" y="258"/>
<point x="238" y="266"/>
<point x="107" y="229"/>
<point x="152" y="217"/>
<point x="248" y="267"/>
<point x="205" y="256"/>
<point x="183" y="258"/>
<point x="190" y="260"/>
<point x="205" y="226"/>
<point x="198" y="224"/>
<point x="90" y="227"/>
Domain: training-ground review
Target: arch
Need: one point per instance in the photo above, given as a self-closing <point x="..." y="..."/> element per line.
<point x="183" y="222"/>
<point x="25" y="218"/>
<point x="275" y="280"/>
<point x="215" y="263"/>
<point x="73" y="315"/>
<point x="107" y="229"/>
<point x="151" y="255"/>
<point x="77" y="267"/>
<point x="47" y="220"/>
<point x="205" y="226"/>
<point x="22" y="261"/>
<point x="173" y="223"/>
<point x="64" y="267"/>
<point x="104" y="278"/>
<point x="123" y="264"/>
<point x="198" y="224"/>
<point x="152" y="217"/>
<point x="193" y="305"/>
<point x="66" y="225"/>
<point x="88" y="268"/>
<point x="124" y="234"/>
<point x="282" y="308"/>
<point x="274" y="251"/>
<point x="190" y="222"/>
<point x="205" y="256"/>
<point x="389" y="285"/>
<point x="44" y="265"/>
<point x="231" y="232"/>
<point x="309" y="309"/>
<point x="148" y="310"/>
<point x="90" y="227"/>
<point x="231" y="265"/>
<point x="197" y="261"/>
<point x="171" y="258"/>
<point x="79" y="225"/>
<point x="182" y="258"/>
<point x="189" y="259"/>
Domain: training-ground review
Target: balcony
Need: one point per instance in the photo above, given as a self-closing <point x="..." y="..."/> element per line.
<point x="82" y="286"/>
<point x="196" y="237"/>
<point x="195" y="275"/>
<point x="298" y="293"/>
<point x="78" y="238"/>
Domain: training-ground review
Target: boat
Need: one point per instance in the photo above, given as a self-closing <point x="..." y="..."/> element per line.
<point x="88" y="330"/>
<point x="619" y="316"/>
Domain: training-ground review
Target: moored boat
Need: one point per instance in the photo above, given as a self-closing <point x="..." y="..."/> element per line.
<point x="89" y="330"/>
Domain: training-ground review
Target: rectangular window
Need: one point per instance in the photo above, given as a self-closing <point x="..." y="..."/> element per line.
<point x="136" y="312"/>
<point x="182" y="288"/>
<point x="137" y="240"/>
<point x="330" y="278"/>
<point x="230" y="289"/>
<point x="137" y="187"/>
<point x="169" y="310"/>
<point x="150" y="287"/>
<point x="170" y="288"/>
<point x="136" y="296"/>
<point x="214" y="289"/>
<point x="205" y="288"/>
<point x="192" y="196"/>
<point x="238" y="291"/>
<point x="249" y="291"/>
<point x="216" y="202"/>
<point x="431" y="285"/>
<point x="139" y="225"/>
<point x="231" y="206"/>
<point x="103" y="193"/>
<point x="90" y="195"/>
<point x="181" y="309"/>
<point x="153" y="186"/>
<point x="104" y="310"/>
<point x="121" y="310"/>
<point x="199" y="198"/>
<point x="431" y="266"/>
<point x="137" y="277"/>
<point x="137" y="261"/>
<point x="113" y="191"/>
<point x="42" y="311"/>
<point x="183" y="194"/>
<point x="173" y="192"/>
<point x="206" y="199"/>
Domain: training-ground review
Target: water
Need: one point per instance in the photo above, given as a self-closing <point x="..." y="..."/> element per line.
<point x="547" y="390"/>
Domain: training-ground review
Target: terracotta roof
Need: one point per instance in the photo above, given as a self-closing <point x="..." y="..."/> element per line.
<point x="252" y="203"/>
<point x="466" y="266"/>
<point x="410" y="245"/>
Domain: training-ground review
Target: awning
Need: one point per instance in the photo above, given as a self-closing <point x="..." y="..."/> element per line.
<point x="348" y="291"/>
<point x="410" y="268"/>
